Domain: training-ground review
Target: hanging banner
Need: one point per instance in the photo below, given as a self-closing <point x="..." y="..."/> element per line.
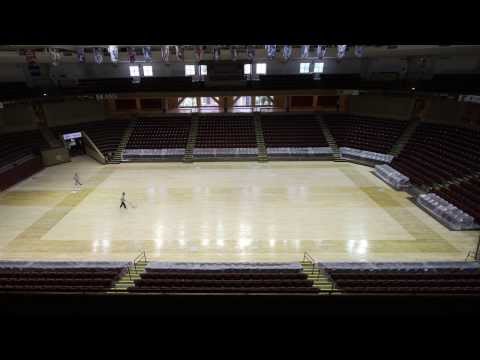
<point x="287" y="52"/>
<point x="165" y="53"/>
<point x="469" y="98"/>
<point x="97" y="55"/>
<point x="31" y="60"/>
<point x="113" y="50"/>
<point x="216" y="53"/>
<point x="81" y="55"/>
<point x="233" y="52"/>
<point x="55" y="56"/>
<point x="251" y="52"/>
<point x="199" y="52"/>
<point x="359" y="50"/>
<point x="179" y="52"/>
<point x="341" y="50"/>
<point x="147" y="53"/>
<point x="131" y="55"/>
<point x="305" y="51"/>
<point x="271" y="51"/>
<point x="321" y="51"/>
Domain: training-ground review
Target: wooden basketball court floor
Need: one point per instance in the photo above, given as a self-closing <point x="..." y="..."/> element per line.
<point x="223" y="211"/>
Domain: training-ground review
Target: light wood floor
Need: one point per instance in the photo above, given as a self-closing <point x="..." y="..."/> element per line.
<point x="219" y="212"/>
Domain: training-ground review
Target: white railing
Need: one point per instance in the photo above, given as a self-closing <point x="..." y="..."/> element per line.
<point x="299" y="151"/>
<point x="446" y="213"/>
<point x="392" y="177"/>
<point x="365" y="155"/>
<point x="225" y="151"/>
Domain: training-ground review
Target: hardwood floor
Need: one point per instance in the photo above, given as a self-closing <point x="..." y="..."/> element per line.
<point x="225" y="211"/>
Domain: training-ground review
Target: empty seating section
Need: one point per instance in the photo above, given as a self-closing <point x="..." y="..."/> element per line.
<point x="414" y="278"/>
<point x="365" y="133"/>
<point x="218" y="132"/>
<point x="223" y="278"/>
<point x="106" y="134"/>
<point x="439" y="153"/>
<point x="292" y="131"/>
<point x="465" y="196"/>
<point x="160" y="133"/>
<point x="18" y="145"/>
<point x="54" y="277"/>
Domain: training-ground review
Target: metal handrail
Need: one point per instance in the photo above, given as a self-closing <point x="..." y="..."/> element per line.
<point x="138" y="258"/>
<point x="475" y="254"/>
<point x="311" y="259"/>
<point x="316" y="267"/>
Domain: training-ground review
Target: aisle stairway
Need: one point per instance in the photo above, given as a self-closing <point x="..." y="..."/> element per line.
<point x="330" y="140"/>
<point x="117" y="157"/>
<point x="130" y="276"/>
<point x="320" y="279"/>
<point x="192" y="139"/>
<point x="405" y="137"/>
<point x="262" y="149"/>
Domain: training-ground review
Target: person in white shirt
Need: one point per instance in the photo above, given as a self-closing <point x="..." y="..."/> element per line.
<point x="76" y="178"/>
<point x="123" y="200"/>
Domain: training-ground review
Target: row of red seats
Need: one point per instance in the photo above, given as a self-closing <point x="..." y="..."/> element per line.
<point x="226" y="133"/>
<point x="292" y="131"/>
<point x="220" y="290"/>
<point x="223" y="283"/>
<point x="365" y="133"/>
<point x="437" y="153"/>
<point x="161" y="133"/>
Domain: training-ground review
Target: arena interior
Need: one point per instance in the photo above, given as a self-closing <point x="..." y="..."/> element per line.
<point x="313" y="172"/>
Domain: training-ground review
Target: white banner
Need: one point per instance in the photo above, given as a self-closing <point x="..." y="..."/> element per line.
<point x="74" y="135"/>
<point x="97" y="55"/>
<point x="287" y="52"/>
<point x="305" y="51"/>
<point x="165" y="53"/>
<point x="271" y="51"/>
<point x="359" y="50"/>
<point x="179" y="50"/>
<point x="341" y="50"/>
<point x="113" y="51"/>
<point x="81" y="55"/>
<point x="147" y="53"/>
<point x="55" y="55"/>
<point x="321" y="51"/>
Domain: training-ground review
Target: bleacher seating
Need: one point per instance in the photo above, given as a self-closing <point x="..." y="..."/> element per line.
<point x="365" y="133"/>
<point x="408" y="278"/>
<point x="160" y="133"/>
<point x="223" y="278"/>
<point x="445" y="212"/>
<point x="17" y="145"/>
<point x="439" y="153"/>
<point x="292" y="131"/>
<point x="106" y="134"/>
<point x="59" y="277"/>
<point x="218" y="135"/>
<point x="465" y="196"/>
